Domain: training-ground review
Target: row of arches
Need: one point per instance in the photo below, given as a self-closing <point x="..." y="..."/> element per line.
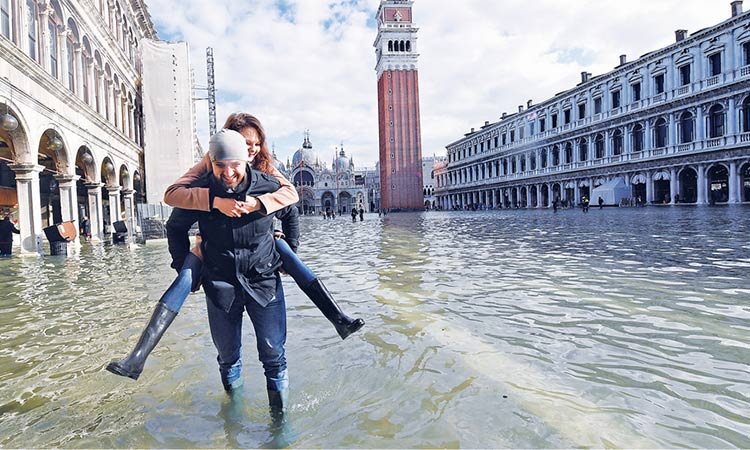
<point x="48" y="177"/>
<point x="718" y="183"/>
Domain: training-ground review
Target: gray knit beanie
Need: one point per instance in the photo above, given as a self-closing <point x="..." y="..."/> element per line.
<point x="227" y="145"/>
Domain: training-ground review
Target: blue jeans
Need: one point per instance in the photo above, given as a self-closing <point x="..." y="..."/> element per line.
<point x="269" y="323"/>
<point x="189" y="275"/>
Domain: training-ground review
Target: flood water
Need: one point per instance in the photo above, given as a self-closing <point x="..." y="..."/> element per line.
<point x="525" y="329"/>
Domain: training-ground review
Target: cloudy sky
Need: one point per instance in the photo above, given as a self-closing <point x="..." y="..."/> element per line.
<point x="309" y="64"/>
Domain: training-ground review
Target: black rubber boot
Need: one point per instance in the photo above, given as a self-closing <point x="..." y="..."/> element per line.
<point x="344" y="324"/>
<point x="278" y="402"/>
<point x="132" y="365"/>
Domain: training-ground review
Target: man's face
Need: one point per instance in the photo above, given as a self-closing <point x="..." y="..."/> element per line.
<point x="229" y="172"/>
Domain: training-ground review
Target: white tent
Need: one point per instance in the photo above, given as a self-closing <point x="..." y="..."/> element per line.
<point x="611" y="192"/>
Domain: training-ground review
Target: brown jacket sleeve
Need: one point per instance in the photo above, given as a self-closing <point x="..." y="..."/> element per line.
<point x="181" y="195"/>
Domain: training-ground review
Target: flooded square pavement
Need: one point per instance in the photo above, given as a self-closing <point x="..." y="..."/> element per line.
<point x="616" y="328"/>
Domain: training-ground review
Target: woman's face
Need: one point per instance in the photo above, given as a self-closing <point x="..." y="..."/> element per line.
<point x="253" y="142"/>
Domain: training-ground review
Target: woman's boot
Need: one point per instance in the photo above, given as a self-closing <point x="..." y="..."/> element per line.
<point x="132" y="365"/>
<point x="344" y="324"/>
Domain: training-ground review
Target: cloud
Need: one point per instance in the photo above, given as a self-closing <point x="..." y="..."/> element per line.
<point x="309" y="64"/>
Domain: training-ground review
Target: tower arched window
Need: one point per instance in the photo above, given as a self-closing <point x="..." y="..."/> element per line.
<point x="390" y="46"/>
<point x="745" y="113"/>
<point x="31" y="25"/>
<point x="637" y="135"/>
<point x="408" y="46"/>
<point x="6" y="18"/>
<point x="660" y="133"/>
<point x="401" y="46"/>
<point x="687" y="132"/>
<point x="716" y="121"/>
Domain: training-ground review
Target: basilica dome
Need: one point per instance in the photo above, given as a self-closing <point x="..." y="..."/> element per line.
<point x="306" y="154"/>
<point x="342" y="162"/>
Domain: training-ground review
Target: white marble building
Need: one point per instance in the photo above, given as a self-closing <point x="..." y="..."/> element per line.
<point x="673" y="125"/>
<point x="338" y="187"/>
<point x="71" y="113"/>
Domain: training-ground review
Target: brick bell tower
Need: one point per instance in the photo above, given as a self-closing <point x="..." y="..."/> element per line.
<point x="401" y="185"/>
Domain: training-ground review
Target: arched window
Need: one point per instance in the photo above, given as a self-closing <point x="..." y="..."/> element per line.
<point x="6" y="19"/>
<point x="544" y="159"/>
<point x="660" y="133"/>
<point x="583" y="150"/>
<point x="31" y="24"/>
<point x="746" y="115"/>
<point x="716" y="121"/>
<point x="390" y="46"/>
<point x="408" y="46"/>
<point x="52" y="44"/>
<point x="687" y="133"/>
<point x="617" y="143"/>
<point x="401" y="46"/>
<point x="555" y="156"/>
<point x="637" y="135"/>
<point x="568" y="153"/>
<point x="532" y="162"/>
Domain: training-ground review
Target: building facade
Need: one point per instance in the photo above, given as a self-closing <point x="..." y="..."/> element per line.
<point x="71" y="135"/>
<point x="398" y="107"/>
<point x="674" y="126"/>
<point x="337" y="188"/>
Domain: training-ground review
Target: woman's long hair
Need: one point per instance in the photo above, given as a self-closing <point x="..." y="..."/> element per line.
<point x="238" y="121"/>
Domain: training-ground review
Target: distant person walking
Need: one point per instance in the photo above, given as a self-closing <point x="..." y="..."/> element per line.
<point x="7" y="229"/>
<point x="601" y="203"/>
<point x="585" y="202"/>
<point x="361" y="214"/>
<point x="354" y="214"/>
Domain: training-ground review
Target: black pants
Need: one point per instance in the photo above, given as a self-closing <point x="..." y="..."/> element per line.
<point x="6" y="248"/>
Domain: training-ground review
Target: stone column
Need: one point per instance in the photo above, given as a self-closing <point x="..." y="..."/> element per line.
<point x="539" y="196"/>
<point x="577" y="193"/>
<point x="99" y="89"/>
<point x="128" y="199"/>
<point x="23" y="26"/>
<point x="734" y="183"/>
<point x="131" y="110"/>
<point x="647" y="137"/>
<point x="673" y="186"/>
<point x="649" y="189"/>
<point x="626" y="138"/>
<point x="96" y="216"/>
<point x="43" y="35"/>
<point x="672" y="131"/>
<point x="91" y="78"/>
<point x="700" y="126"/>
<point x="731" y="118"/>
<point x="29" y="206"/>
<point x="68" y="198"/>
<point x="702" y="188"/>
<point x="62" y="42"/>
<point x="77" y="69"/>
<point x="115" y="106"/>
<point x="107" y="96"/>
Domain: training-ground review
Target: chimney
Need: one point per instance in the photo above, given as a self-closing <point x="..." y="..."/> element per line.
<point x="472" y="130"/>
<point x="623" y="59"/>
<point x="585" y="76"/>
<point x="520" y="108"/>
<point x="528" y="104"/>
<point x="680" y="35"/>
<point x="736" y="8"/>
<point x="505" y="114"/>
<point x="486" y="122"/>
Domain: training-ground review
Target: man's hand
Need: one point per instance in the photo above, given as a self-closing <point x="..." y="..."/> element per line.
<point x="233" y="208"/>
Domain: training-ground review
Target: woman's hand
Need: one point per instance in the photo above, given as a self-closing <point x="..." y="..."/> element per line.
<point x="234" y="208"/>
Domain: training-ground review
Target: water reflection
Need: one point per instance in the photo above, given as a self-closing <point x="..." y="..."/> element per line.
<point x="619" y="328"/>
